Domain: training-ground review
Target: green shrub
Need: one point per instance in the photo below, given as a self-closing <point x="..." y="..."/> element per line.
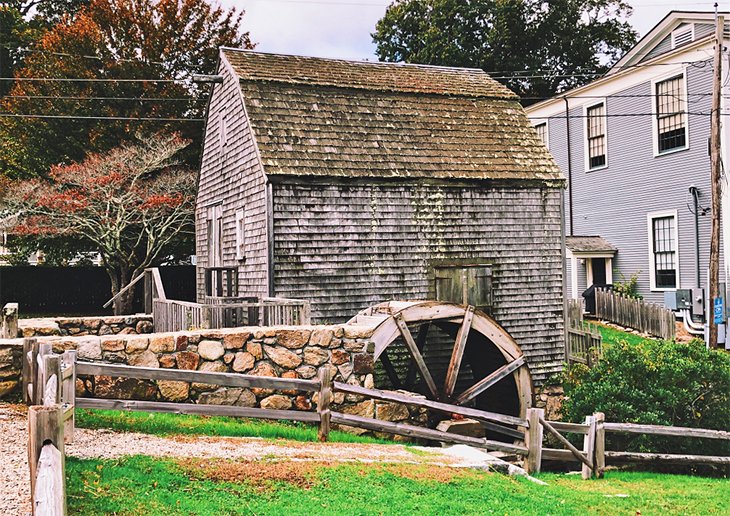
<point x="628" y="286"/>
<point x="655" y="382"/>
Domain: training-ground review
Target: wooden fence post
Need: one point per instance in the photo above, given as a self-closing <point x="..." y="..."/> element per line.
<point x="589" y="447"/>
<point x="30" y="365"/>
<point x="45" y="426"/>
<point x="533" y="440"/>
<point x="51" y="381"/>
<point x="68" y="393"/>
<point x="599" y="462"/>
<point x="9" y="324"/>
<point x="323" y="403"/>
<point x="39" y="378"/>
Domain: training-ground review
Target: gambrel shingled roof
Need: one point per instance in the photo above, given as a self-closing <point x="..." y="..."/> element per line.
<point x="326" y="117"/>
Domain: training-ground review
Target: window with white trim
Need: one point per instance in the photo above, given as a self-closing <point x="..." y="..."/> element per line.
<point x="663" y="230"/>
<point x="542" y="132"/>
<point x="596" y="135"/>
<point x="240" y="240"/>
<point x="671" y="114"/>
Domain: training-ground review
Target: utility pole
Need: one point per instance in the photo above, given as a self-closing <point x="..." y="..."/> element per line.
<point x="716" y="167"/>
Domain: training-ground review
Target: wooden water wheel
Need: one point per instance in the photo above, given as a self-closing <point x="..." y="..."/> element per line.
<point x="482" y="365"/>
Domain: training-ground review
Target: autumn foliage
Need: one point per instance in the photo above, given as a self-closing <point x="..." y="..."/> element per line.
<point x="130" y="203"/>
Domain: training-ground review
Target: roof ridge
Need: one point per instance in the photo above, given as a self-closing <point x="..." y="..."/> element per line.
<point x="356" y="61"/>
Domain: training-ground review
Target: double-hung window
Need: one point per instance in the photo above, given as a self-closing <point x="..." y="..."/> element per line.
<point x="663" y="250"/>
<point x="596" y="136"/>
<point x="671" y="114"/>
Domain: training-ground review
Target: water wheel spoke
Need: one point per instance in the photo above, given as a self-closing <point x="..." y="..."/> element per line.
<point x="457" y="354"/>
<point x="486" y="382"/>
<point x="420" y="344"/>
<point x="416" y="354"/>
<point x="390" y="370"/>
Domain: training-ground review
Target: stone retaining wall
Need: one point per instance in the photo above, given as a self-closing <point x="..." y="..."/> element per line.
<point x="10" y="367"/>
<point x="82" y="326"/>
<point x="287" y="352"/>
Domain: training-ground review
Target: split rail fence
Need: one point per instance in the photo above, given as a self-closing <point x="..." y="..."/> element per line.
<point x="49" y="386"/>
<point x="650" y="318"/>
<point x="9" y="322"/>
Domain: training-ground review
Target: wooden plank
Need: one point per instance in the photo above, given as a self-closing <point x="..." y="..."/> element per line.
<point x="222" y="379"/>
<point x="30" y="349"/>
<point x="600" y="449"/>
<point x="575" y="451"/>
<point x="438" y="406"/>
<point x="420" y="344"/>
<point x="458" y="353"/>
<point x="44" y="425"/>
<point x="130" y="285"/>
<point x="323" y="403"/>
<point x="666" y="457"/>
<point x="575" y="428"/>
<point x="199" y="409"/>
<point x="486" y="382"/>
<point x="390" y="370"/>
<point x="50" y="382"/>
<point x="68" y="393"/>
<point x="389" y="427"/>
<point x="533" y="441"/>
<point x="416" y="354"/>
<point x="49" y="497"/>
<point x="556" y="454"/>
<point x="679" y="431"/>
<point x="589" y="448"/>
<point x="159" y="287"/>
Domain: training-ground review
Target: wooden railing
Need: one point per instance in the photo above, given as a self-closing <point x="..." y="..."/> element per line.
<point x="172" y="315"/>
<point x="51" y="379"/>
<point x="634" y="313"/>
<point x="585" y="344"/>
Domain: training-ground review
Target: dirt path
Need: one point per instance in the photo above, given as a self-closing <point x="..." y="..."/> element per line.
<point x="15" y="483"/>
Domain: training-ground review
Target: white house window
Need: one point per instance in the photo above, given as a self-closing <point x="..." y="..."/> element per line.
<point x="671" y="115"/>
<point x="663" y="247"/>
<point x="240" y="241"/>
<point x="542" y="132"/>
<point x="596" y="135"/>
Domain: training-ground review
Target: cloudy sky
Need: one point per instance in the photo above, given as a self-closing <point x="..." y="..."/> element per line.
<point x="341" y="28"/>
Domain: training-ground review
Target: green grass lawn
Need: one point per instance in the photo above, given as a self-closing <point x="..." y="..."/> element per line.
<point x="613" y="336"/>
<point x="143" y="485"/>
<point x="181" y="424"/>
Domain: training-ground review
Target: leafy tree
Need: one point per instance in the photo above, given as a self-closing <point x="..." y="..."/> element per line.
<point x="115" y="41"/>
<point x="566" y="41"/>
<point x="129" y="204"/>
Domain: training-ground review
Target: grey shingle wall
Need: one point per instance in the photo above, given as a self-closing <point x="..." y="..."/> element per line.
<point x="349" y="246"/>
<point x="234" y="176"/>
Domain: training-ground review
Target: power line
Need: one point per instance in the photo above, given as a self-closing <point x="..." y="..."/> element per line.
<point x="79" y="79"/>
<point x="620" y="115"/>
<point x="145" y="119"/>
<point x="141" y="99"/>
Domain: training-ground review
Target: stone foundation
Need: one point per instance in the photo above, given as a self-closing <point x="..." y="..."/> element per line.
<point x="84" y="326"/>
<point x="550" y="398"/>
<point x="287" y="352"/>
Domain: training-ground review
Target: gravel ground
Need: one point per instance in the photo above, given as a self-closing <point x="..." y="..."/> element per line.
<point x="14" y="477"/>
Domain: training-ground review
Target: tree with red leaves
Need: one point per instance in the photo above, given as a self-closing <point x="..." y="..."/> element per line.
<point x="131" y="203"/>
<point x="119" y="48"/>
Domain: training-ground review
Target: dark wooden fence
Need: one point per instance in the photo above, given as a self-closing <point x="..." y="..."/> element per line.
<point x="650" y="318"/>
<point x="584" y="340"/>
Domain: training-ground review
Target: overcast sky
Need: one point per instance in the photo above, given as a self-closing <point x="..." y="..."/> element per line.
<point x="342" y="28"/>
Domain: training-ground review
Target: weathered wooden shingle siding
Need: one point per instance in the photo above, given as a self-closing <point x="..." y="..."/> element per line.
<point x="613" y="202"/>
<point x="232" y="175"/>
<point x="351" y="245"/>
